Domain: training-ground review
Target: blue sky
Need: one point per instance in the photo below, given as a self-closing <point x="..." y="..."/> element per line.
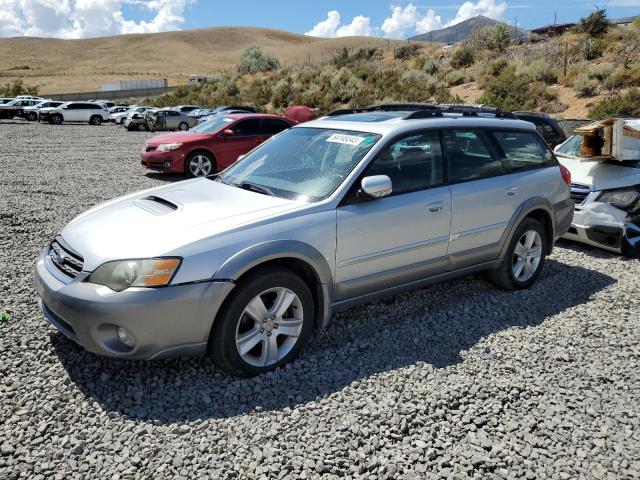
<point x="326" y="18"/>
<point x="301" y="15"/>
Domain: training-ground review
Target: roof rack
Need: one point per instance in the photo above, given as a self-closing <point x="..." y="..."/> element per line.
<point x="427" y="110"/>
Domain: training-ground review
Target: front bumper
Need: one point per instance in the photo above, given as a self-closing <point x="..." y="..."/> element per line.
<point x="171" y="162"/>
<point x="604" y="226"/>
<point x="165" y="322"/>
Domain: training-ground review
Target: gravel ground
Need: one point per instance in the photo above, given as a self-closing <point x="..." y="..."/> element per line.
<point x="452" y="381"/>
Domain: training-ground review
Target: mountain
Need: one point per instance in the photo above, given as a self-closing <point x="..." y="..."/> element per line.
<point x="69" y="66"/>
<point x="463" y="30"/>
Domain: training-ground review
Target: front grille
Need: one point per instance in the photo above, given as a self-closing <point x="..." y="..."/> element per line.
<point x="68" y="262"/>
<point x="579" y="192"/>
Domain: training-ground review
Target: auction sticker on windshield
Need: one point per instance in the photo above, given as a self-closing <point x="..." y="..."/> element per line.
<point x="345" y="139"/>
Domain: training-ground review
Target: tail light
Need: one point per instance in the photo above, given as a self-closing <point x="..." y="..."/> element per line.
<point x="566" y="175"/>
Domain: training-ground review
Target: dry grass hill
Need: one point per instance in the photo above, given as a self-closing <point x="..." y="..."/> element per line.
<point x="60" y="66"/>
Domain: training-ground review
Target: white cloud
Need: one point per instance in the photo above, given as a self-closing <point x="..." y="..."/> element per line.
<point x="429" y="22"/>
<point x="86" y="18"/>
<point x="401" y="19"/>
<point x="333" y="27"/>
<point x="489" y="8"/>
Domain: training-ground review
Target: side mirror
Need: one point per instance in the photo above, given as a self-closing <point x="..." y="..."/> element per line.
<point x="376" y="186"/>
<point x="227" y="132"/>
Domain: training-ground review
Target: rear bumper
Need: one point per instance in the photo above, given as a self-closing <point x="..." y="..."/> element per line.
<point x="170" y="162"/>
<point x="170" y="321"/>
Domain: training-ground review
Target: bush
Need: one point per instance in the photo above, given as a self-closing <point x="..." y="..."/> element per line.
<point x="499" y="37"/>
<point x="495" y="67"/>
<point x="585" y="85"/>
<point x="601" y="72"/>
<point x="595" y="24"/>
<point x="444" y="95"/>
<point x="591" y="48"/>
<point x="254" y="60"/>
<point x="430" y="66"/>
<point x="454" y="78"/>
<point x="18" y="88"/>
<point x="538" y="71"/>
<point x="508" y="92"/>
<point x="625" y="105"/>
<point x="405" y="52"/>
<point x="462" y="58"/>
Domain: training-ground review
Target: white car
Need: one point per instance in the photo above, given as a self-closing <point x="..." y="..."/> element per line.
<point x="86" y="112"/>
<point x="33" y="113"/>
<point x="117" y="115"/>
<point x="607" y="198"/>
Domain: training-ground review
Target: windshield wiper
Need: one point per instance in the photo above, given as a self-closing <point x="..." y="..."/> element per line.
<point x="254" y="188"/>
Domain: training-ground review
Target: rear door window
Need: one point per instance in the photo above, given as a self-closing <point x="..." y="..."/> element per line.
<point x="272" y="126"/>
<point x="247" y="128"/>
<point x="523" y="150"/>
<point x="470" y="155"/>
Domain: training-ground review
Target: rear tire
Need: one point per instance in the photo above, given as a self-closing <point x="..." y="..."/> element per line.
<point x="32" y="116"/>
<point x="183" y="126"/>
<point x="524" y="259"/>
<point x="199" y="164"/>
<point x="264" y="323"/>
<point x="95" y="120"/>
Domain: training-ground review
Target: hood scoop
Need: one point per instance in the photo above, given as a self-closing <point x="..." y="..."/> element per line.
<point x="156" y="205"/>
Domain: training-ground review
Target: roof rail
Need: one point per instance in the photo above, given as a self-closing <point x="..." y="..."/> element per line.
<point x="427" y="110"/>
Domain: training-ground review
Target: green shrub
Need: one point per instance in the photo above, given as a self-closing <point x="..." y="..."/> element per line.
<point x="508" y="92"/>
<point x="538" y="71"/>
<point x="495" y="67"/>
<point x="601" y="72"/>
<point x="499" y="37"/>
<point x="444" y="95"/>
<point x="258" y="92"/>
<point x="254" y="60"/>
<point x="462" y="58"/>
<point x="585" y="85"/>
<point x="592" y="48"/>
<point x="455" y="77"/>
<point x="18" y="88"/>
<point x="430" y="66"/>
<point x="595" y="24"/>
<point x="407" y="51"/>
<point x="625" y="105"/>
<point x="282" y="94"/>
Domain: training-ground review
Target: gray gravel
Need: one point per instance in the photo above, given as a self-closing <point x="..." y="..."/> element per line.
<point x="456" y="380"/>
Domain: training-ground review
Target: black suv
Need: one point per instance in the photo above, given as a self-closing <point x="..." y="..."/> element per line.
<point x="548" y="126"/>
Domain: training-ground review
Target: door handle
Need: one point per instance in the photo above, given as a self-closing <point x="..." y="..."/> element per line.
<point x="435" y="207"/>
<point x="511" y="192"/>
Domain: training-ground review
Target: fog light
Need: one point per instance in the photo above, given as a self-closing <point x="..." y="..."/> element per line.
<point x="167" y="164"/>
<point x="125" y="337"/>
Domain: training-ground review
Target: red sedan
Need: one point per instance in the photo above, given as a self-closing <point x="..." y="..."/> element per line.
<point x="211" y="146"/>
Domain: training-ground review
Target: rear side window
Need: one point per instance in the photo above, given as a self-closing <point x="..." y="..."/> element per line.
<point x="246" y="128"/>
<point x="412" y="163"/>
<point x="523" y="150"/>
<point x="272" y="126"/>
<point x="470" y="155"/>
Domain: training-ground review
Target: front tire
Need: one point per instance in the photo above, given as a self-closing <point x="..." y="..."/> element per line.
<point x="183" y="126"/>
<point x="199" y="164"/>
<point x="524" y="259"/>
<point x="56" y="119"/>
<point x="32" y="116"/>
<point x="265" y="323"/>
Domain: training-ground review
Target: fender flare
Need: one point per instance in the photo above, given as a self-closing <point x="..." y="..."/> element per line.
<point x="528" y="206"/>
<point x="255" y="255"/>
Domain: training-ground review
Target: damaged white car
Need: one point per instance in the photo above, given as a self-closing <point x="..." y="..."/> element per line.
<point x="606" y="190"/>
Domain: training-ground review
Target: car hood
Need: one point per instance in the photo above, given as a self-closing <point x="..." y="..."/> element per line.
<point x="601" y="175"/>
<point x="177" y="137"/>
<point x="159" y="221"/>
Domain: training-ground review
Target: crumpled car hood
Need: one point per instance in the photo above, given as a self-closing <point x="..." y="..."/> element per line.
<point x="601" y="175"/>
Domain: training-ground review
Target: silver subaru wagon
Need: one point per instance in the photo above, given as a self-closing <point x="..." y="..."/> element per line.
<point x="245" y="265"/>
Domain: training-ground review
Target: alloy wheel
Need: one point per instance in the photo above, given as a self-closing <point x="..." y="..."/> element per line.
<point x="527" y="256"/>
<point x="269" y="327"/>
<point x="200" y="166"/>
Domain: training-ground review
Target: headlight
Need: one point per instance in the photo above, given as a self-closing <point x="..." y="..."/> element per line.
<point x="122" y="274"/>
<point x="623" y="199"/>
<point x="168" y="147"/>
